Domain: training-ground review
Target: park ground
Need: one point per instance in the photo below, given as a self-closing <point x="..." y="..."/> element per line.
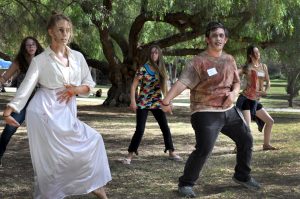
<point x="151" y="175"/>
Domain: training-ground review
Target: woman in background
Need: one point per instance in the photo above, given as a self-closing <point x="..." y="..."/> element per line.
<point x="257" y="85"/>
<point x="152" y="78"/>
<point x="29" y="48"/>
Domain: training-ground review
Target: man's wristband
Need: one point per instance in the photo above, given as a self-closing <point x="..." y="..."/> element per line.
<point x="5" y="115"/>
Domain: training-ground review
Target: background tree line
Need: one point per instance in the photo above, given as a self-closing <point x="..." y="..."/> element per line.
<point x="115" y="35"/>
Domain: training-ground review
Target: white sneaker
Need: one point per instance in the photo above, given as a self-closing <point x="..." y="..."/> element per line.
<point x="125" y="161"/>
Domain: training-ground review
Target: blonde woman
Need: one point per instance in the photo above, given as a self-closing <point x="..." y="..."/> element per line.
<point x="68" y="156"/>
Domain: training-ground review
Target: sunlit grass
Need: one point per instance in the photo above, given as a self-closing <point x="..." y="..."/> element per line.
<point x="276" y="98"/>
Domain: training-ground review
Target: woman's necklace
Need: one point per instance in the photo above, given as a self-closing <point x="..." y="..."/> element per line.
<point x="256" y="65"/>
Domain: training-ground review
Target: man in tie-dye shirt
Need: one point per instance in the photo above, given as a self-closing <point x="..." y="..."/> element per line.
<point x="214" y="82"/>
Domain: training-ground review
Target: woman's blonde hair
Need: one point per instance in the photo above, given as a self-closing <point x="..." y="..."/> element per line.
<point x="160" y="66"/>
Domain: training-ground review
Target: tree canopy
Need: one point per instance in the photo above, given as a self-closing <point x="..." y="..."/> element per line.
<point x="120" y="32"/>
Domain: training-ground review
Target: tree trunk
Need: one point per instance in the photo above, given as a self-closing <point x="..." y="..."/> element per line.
<point x="119" y="93"/>
<point x="293" y="85"/>
<point x="290" y="100"/>
<point x="290" y="90"/>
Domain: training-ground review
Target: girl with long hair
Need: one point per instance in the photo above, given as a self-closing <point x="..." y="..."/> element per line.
<point x="257" y="84"/>
<point x="152" y="78"/>
<point x="29" y="48"/>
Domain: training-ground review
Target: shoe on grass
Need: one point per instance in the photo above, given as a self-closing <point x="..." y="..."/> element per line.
<point x="176" y="158"/>
<point x="186" y="191"/>
<point x="250" y="184"/>
<point x="268" y="147"/>
<point x="125" y="161"/>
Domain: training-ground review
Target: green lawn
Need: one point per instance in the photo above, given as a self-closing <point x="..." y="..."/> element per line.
<point x="151" y="175"/>
<point x="276" y="98"/>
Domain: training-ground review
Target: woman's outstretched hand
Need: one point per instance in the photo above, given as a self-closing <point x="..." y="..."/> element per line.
<point x="229" y="100"/>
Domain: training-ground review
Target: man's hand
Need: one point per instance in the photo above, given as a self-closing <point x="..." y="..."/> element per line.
<point x="167" y="108"/>
<point x="229" y="100"/>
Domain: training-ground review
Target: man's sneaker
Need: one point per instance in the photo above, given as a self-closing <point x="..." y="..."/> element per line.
<point x="250" y="184"/>
<point x="186" y="191"/>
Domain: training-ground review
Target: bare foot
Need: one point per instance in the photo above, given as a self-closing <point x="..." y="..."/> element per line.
<point x="130" y="155"/>
<point x="100" y="193"/>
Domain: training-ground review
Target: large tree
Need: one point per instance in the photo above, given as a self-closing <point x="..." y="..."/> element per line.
<point x="183" y="22"/>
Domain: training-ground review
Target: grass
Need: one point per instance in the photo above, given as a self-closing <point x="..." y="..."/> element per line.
<point x="151" y="175"/>
<point x="277" y="96"/>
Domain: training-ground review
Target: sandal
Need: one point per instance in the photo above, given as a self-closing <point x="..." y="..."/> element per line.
<point x="176" y="158"/>
<point x="125" y="161"/>
<point x="269" y="147"/>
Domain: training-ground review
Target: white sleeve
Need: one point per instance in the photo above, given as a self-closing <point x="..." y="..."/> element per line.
<point x="26" y="88"/>
<point x="86" y="77"/>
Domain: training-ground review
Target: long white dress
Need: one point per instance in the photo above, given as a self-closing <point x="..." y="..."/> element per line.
<point x="68" y="156"/>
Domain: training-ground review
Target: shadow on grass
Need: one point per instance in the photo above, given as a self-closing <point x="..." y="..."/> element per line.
<point x="152" y="175"/>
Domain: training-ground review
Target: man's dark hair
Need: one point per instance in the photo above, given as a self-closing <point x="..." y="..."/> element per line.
<point x="211" y="26"/>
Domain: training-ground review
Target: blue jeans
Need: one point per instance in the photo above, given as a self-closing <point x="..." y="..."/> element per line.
<point x="8" y="130"/>
<point x="207" y="126"/>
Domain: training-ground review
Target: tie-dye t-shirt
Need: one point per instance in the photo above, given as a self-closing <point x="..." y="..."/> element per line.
<point x="255" y="78"/>
<point x="211" y="80"/>
<point x="149" y="96"/>
<point x="251" y="86"/>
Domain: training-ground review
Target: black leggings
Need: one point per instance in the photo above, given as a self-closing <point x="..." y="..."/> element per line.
<point x="141" y="117"/>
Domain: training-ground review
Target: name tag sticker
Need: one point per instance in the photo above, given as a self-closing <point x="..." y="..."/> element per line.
<point x="260" y="74"/>
<point x="211" y="71"/>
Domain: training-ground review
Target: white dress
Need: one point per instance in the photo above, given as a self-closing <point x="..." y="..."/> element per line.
<point x="68" y="156"/>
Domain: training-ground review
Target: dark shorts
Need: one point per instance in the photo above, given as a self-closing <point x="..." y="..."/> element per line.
<point x="249" y="104"/>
